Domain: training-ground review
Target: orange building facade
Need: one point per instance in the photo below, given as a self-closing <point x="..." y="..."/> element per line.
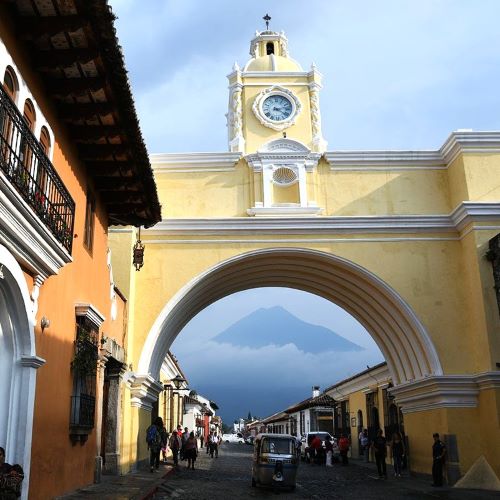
<point x="72" y="163"/>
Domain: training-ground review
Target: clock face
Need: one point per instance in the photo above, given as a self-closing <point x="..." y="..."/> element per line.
<point x="277" y="108"/>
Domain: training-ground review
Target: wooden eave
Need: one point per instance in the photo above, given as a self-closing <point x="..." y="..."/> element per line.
<point x="74" y="49"/>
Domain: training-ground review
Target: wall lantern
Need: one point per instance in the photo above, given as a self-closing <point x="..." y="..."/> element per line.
<point x="178" y="381"/>
<point x="138" y="259"/>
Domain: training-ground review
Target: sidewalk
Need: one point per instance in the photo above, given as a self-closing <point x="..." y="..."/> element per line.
<point x="133" y="486"/>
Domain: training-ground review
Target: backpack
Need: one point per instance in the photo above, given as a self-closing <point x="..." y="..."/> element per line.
<point x="153" y="436"/>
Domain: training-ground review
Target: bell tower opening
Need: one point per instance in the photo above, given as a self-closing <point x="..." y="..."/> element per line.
<point x="269" y="48"/>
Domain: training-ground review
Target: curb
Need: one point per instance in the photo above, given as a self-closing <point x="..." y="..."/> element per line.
<point x="154" y="488"/>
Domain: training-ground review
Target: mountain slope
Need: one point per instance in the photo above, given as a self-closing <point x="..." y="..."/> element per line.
<point x="276" y="326"/>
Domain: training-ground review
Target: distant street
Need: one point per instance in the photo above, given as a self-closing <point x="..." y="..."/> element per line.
<point x="229" y="477"/>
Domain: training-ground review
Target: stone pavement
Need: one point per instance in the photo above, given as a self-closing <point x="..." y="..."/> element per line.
<point x="229" y="477"/>
<point x="138" y="485"/>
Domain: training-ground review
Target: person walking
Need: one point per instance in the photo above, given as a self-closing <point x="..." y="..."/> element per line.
<point x="175" y="444"/>
<point x="314" y="448"/>
<point x="191" y="450"/>
<point x="438" y="458"/>
<point x="214" y="445"/>
<point x="365" y="445"/>
<point x="329" y="451"/>
<point x="207" y="442"/>
<point x="380" y="448"/>
<point x="344" y="449"/>
<point x="184" y="437"/>
<point x="154" y="440"/>
<point x="164" y="443"/>
<point x="398" y="452"/>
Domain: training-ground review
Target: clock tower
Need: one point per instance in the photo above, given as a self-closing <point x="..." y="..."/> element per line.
<point x="274" y="120"/>
<point x="273" y="97"/>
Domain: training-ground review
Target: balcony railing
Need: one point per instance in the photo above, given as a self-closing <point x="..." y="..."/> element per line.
<point x="25" y="164"/>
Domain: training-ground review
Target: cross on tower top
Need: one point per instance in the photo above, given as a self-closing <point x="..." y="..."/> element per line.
<point x="267" y="18"/>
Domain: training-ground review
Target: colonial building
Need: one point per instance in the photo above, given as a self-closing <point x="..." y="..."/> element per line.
<point x="72" y="163"/>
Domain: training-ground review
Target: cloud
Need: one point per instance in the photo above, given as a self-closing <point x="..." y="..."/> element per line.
<point x="398" y="74"/>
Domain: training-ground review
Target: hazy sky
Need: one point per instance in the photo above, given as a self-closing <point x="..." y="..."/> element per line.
<point x="398" y="74"/>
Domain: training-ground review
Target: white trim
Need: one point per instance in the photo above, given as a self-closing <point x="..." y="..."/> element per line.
<point x="144" y="391"/>
<point x="388" y="318"/>
<point x="25" y="235"/>
<point x="278" y="241"/>
<point x="194" y="162"/>
<point x="19" y="427"/>
<point x="90" y="312"/>
<point x="444" y="391"/>
<point x="463" y="216"/>
<point x="458" y="142"/>
<point x="274" y="74"/>
<point x="364" y="382"/>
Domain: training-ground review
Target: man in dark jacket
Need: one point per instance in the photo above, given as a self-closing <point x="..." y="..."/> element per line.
<point x="380" y="449"/>
<point x="438" y="456"/>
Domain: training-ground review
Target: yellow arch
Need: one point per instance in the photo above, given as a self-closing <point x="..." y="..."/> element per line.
<point x="403" y="340"/>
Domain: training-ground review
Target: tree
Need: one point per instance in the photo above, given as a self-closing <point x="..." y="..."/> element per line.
<point x="249" y="416"/>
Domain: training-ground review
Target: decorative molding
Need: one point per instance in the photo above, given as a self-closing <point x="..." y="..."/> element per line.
<point x="25" y="235"/>
<point x="32" y="361"/>
<point x="464" y="215"/>
<point x="460" y="141"/>
<point x="194" y="162"/>
<point x="283" y="152"/>
<point x="91" y="313"/>
<point x="274" y="74"/>
<point x="444" y="391"/>
<point x="35" y="292"/>
<point x="276" y="90"/>
<point x="144" y="391"/>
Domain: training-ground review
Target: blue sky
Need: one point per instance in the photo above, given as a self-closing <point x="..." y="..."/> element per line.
<point x="398" y="74"/>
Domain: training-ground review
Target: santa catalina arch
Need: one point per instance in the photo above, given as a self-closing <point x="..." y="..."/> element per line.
<point x="396" y="238"/>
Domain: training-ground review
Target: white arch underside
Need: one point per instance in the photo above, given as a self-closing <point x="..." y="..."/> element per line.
<point x="406" y="346"/>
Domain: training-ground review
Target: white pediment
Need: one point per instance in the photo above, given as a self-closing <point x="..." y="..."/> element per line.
<point x="284" y="146"/>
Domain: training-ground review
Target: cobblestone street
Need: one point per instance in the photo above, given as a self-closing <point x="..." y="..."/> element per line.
<point x="229" y="477"/>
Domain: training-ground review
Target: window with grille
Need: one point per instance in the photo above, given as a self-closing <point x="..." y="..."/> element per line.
<point x="84" y="368"/>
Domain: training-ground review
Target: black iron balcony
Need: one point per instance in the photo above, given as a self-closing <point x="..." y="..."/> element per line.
<point x="27" y="167"/>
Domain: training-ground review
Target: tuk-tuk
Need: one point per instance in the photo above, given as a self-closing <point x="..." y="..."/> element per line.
<point x="275" y="461"/>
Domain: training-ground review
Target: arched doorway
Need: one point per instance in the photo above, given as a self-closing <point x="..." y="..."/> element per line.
<point x="401" y="337"/>
<point x="18" y="364"/>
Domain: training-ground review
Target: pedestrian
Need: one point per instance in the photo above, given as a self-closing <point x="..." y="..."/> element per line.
<point x="11" y="477"/>
<point x="184" y="438"/>
<point x="344" y="448"/>
<point x="380" y="449"/>
<point x="207" y="442"/>
<point x="365" y="445"/>
<point x="164" y="443"/>
<point x="201" y="441"/>
<point x="398" y="452"/>
<point x="154" y="440"/>
<point x="438" y="459"/>
<point x="214" y="445"/>
<point x="329" y="451"/>
<point x="175" y="444"/>
<point x="314" y="449"/>
<point x="191" y="450"/>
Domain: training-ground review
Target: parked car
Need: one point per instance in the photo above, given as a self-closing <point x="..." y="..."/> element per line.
<point x="233" y="438"/>
<point x="306" y="441"/>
